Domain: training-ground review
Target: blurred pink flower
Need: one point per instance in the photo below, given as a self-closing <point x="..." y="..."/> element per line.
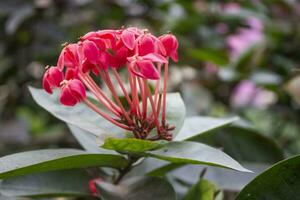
<point x="231" y="8"/>
<point x="247" y="94"/>
<point x="239" y="42"/>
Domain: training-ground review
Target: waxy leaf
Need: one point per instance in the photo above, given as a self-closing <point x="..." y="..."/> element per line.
<point x="88" y="141"/>
<point x="79" y="115"/>
<point x="137" y="188"/>
<point x="55" y="184"/>
<point x="194" y="126"/>
<point x="195" y="153"/>
<point x="279" y="182"/>
<point x="187" y="152"/>
<point x="131" y="145"/>
<point x="55" y="159"/>
<point x="175" y="112"/>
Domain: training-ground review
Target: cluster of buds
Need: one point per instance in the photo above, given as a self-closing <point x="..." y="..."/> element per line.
<point x="102" y="55"/>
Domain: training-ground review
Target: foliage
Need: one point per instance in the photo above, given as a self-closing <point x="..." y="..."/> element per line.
<point x="260" y="85"/>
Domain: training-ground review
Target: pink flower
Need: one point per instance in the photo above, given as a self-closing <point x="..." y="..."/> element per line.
<point x="143" y="66"/>
<point x="247" y="94"/>
<point x="52" y="78"/>
<point x="245" y="37"/>
<point x="103" y="53"/>
<point x="72" y="92"/>
<point x="170" y="44"/>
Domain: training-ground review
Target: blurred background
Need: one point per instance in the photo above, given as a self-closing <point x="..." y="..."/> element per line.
<point x="235" y="58"/>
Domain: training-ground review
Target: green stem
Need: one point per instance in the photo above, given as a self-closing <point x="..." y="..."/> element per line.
<point x="125" y="170"/>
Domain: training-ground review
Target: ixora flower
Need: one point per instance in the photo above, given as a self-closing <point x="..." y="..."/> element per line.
<point x="101" y="55"/>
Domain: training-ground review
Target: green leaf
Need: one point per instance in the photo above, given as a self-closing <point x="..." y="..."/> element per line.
<point x="194" y="126"/>
<point x="146" y="188"/>
<point x="175" y="112"/>
<point x="88" y="141"/>
<point x="280" y="182"/>
<point x="238" y="142"/>
<point x="56" y="159"/>
<point x="195" y="153"/>
<point x="55" y="184"/>
<point x="203" y="190"/>
<point x="79" y="115"/>
<point x="215" y="56"/>
<point x="131" y="145"/>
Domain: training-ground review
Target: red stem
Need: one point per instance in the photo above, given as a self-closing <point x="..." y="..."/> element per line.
<point x="152" y="103"/>
<point x="104" y="115"/>
<point x="122" y="85"/>
<point x="106" y="78"/>
<point x="92" y="88"/>
<point x="165" y="93"/>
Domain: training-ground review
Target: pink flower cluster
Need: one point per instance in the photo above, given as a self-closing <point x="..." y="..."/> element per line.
<point x="102" y="54"/>
<point x="241" y="41"/>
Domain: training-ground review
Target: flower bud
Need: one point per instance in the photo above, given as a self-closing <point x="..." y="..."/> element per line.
<point x="52" y="78"/>
<point x="171" y="45"/>
<point x="72" y="92"/>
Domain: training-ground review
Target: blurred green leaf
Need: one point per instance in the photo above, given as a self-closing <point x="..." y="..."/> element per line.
<point x="239" y="142"/>
<point x="146" y="188"/>
<point x="55" y="184"/>
<point x="215" y="56"/>
<point x="56" y="159"/>
<point x="279" y="182"/>
<point x="203" y="190"/>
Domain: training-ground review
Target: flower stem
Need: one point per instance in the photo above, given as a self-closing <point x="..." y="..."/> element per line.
<point x="106" y="78"/>
<point x="122" y="85"/>
<point x="104" y="115"/>
<point x="163" y="118"/>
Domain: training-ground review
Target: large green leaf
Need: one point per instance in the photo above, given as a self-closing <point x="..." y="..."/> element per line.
<point x="195" y="153"/>
<point x="55" y="159"/>
<point x="131" y="145"/>
<point x="280" y="182"/>
<point x="146" y="188"/>
<point x="79" y="115"/>
<point x="238" y="142"/>
<point x="178" y="152"/>
<point x="88" y="141"/>
<point x="57" y="183"/>
<point x="175" y="112"/>
<point x="194" y="126"/>
<point x="203" y="190"/>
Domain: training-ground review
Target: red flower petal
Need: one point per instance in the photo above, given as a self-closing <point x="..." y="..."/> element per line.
<point x="46" y="85"/>
<point x="155" y="57"/>
<point x="91" y="52"/>
<point x="72" y="93"/>
<point x="146" y="45"/>
<point x="171" y="45"/>
<point x="128" y="39"/>
<point x="146" y="69"/>
<point x="66" y="97"/>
